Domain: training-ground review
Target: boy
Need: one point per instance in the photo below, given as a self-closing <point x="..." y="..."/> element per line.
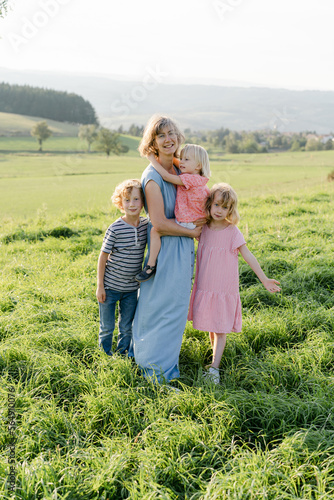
<point x="120" y="260"/>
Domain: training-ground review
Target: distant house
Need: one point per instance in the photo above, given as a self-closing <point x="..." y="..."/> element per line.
<point x="325" y="138"/>
<point x="309" y="137"/>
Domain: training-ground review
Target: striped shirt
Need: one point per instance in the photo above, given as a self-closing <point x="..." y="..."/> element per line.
<point x="126" y="245"/>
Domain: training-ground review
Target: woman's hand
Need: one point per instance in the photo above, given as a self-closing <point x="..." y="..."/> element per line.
<point x="200" y="222"/>
<point x="197" y="232"/>
<point x="156" y="209"/>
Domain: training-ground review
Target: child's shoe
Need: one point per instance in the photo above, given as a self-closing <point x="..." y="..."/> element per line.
<point x="212" y="375"/>
<point x="144" y="275"/>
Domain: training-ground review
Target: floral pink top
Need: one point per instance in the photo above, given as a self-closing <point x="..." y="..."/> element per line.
<point x="190" y="198"/>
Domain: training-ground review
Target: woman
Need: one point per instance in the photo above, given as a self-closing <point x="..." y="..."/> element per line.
<point x="163" y="303"/>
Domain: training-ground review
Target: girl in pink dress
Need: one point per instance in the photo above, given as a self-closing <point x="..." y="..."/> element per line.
<point x="215" y="301"/>
<point x="192" y="191"/>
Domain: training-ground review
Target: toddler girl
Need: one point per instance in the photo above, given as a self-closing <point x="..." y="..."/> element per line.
<point x="215" y="302"/>
<point x="190" y="196"/>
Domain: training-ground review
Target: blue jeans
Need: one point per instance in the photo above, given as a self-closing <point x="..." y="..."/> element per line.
<point x="127" y="302"/>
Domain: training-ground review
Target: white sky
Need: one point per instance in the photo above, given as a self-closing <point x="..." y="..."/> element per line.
<point x="285" y="43"/>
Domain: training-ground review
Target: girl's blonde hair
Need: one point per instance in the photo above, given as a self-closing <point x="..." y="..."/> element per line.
<point x="228" y="197"/>
<point x="125" y="188"/>
<point x="153" y="128"/>
<point x="200" y="156"/>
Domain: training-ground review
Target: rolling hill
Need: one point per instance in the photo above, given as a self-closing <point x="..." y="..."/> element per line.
<point x="20" y="125"/>
<point x="119" y="102"/>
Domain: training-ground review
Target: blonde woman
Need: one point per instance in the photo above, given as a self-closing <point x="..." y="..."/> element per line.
<point x="191" y="193"/>
<point x="163" y="303"/>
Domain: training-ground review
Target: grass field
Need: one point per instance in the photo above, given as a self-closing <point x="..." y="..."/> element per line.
<point x="56" y="145"/>
<point x="88" y="427"/>
<point x="30" y="182"/>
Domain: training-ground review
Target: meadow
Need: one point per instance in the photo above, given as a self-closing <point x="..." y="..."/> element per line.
<point x="90" y="427"/>
<point x="54" y="180"/>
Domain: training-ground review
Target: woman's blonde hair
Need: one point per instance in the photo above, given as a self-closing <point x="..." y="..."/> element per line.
<point x="153" y="128"/>
<point x="228" y="197"/>
<point x="200" y="156"/>
<point x="125" y="188"/>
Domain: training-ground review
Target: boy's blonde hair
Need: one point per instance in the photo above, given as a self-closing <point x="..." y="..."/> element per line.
<point x="153" y="128"/>
<point x="125" y="188"/>
<point x="227" y="197"/>
<point x="200" y="156"/>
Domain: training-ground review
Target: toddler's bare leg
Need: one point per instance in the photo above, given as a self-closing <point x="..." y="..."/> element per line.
<point x="155" y="245"/>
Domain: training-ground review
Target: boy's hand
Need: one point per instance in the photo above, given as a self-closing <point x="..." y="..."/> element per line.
<point x="101" y="294"/>
<point x="271" y="285"/>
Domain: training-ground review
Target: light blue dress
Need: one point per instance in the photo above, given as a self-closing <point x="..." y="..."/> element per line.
<point x="163" y="303"/>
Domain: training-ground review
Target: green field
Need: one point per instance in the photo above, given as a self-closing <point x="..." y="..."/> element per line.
<point x="92" y="428"/>
<point x="70" y="181"/>
<point x="57" y="145"/>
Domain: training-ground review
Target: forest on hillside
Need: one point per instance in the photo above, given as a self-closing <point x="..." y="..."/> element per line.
<point x="46" y="103"/>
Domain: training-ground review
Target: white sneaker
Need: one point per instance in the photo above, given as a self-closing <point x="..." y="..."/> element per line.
<point x="171" y="388"/>
<point x="212" y="375"/>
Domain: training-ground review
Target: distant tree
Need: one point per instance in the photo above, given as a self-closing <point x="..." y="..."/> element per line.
<point x="313" y="145"/>
<point x="217" y="137"/>
<point x="42" y="132"/>
<point x="50" y="104"/>
<point x="108" y="141"/>
<point x="135" y="130"/>
<point x="329" y="144"/>
<point x="295" y="146"/>
<point x="88" y="133"/>
<point x="249" y="146"/>
<point x="231" y="144"/>
<point x="3" y="7"/>
<point x="124" y="148"/>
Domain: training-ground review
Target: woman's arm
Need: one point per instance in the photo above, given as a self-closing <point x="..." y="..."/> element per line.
<point x="172" y="178"/>
<point x="269" y="284"/>
<point x="165" y="227"/>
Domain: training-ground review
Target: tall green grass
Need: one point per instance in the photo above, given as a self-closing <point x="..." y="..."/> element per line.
<point x="90" y="427"/>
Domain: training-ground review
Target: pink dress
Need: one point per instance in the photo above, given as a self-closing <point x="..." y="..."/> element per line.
<point x="190" y="198"/>
<point x="215" y="301"/>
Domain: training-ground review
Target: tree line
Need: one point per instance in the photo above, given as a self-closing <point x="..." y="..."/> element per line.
<point x="106" y="140"/>
<point x="262" y="141"/>
<point x="46" y="103"/>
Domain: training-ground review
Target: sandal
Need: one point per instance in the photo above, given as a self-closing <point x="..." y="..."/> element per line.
<point x="144" y="275"/>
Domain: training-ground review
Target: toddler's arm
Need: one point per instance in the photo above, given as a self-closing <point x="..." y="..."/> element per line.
<point x="172" y="178"/>
<point x="269" y="284"/>
<point x="101" y="266"/>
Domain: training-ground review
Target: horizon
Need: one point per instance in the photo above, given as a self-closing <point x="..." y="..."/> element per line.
<point x="136" y="79"/>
